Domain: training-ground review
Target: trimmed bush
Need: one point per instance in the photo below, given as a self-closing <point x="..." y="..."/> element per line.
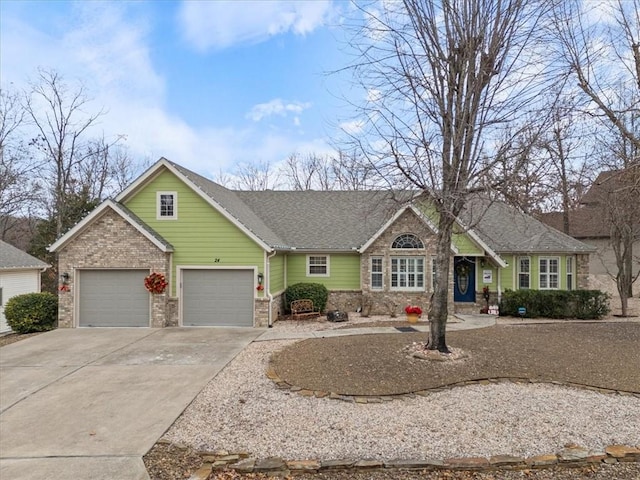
<point x="316" y="292"/>
<point x="581" y="304"/>
<point x="32" y="312"/>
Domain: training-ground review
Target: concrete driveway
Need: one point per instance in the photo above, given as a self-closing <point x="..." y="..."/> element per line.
<point x="89" y="403"/>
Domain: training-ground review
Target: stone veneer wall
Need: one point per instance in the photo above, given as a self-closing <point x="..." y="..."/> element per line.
<point x="386" y="301"/>
<point x="345" y="300"/>
<point x="582" y="271"/>
<point x="111" y="242"/>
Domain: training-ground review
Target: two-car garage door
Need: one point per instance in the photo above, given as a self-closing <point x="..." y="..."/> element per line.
<point x="209" y="297"/>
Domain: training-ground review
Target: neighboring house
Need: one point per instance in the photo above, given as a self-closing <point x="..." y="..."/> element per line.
<point x="228" y="256"/>
<point x="591" y="223"/>
<point x="19" y="273"/>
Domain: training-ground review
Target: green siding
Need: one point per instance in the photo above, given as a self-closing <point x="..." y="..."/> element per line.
<point x="344" y="270"/>
<point x="200" y="235"/>
<point x="509" y="274"/>
<point x="276" y="273"/>
<point x="465" y="244"/>
<point x="460" y="239"/>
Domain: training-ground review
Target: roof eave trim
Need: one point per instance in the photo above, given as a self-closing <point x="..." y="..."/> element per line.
<point x="488" y="250"/>
<point x="163" y="162"/>
<point x="85" y="222"/>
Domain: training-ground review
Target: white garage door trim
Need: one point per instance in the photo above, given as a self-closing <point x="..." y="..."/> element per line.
<point x="239" y="313"/>
<point x="136" y="288"/>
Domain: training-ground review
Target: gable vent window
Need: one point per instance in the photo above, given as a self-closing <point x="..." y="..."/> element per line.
<point x="167" y="205"/>
<point x="407" y="240"/>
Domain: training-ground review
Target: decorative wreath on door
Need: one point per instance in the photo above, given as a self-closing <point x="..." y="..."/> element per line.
<point x="155" y="283"/>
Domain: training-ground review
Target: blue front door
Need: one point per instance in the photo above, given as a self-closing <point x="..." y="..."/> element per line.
<point x="464" y="279"/>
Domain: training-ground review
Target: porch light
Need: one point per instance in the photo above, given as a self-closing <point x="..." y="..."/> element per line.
<point x="260" y="278"/>
<point x="64" y="278"/>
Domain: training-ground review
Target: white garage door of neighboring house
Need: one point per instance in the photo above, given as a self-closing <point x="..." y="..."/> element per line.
<point x="113" y="298"/>
<point x="16" y="283"/>
<point x="217" y="297"/>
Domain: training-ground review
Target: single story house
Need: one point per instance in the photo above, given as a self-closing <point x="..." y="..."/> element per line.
<point x="214" y="256"/>
<point x="19" y="274"/>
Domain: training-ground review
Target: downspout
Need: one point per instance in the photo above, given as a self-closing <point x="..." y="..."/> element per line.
<point x="267" y="275"/>
<point x="499" y="284"/>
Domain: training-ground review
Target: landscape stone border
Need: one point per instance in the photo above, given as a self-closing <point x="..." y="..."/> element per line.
<point x="282" y="385"/>
<point x="571" y="456"/>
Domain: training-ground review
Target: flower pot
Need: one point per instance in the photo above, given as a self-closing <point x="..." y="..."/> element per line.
<point x="412" y="317"/>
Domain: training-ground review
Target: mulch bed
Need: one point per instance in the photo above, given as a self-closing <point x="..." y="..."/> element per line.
<point x="599" y="355"/>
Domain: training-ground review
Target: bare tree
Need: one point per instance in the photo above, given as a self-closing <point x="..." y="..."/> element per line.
<point x="18" y="191"/>
<point x="604" y="58"/>
<point x="308" y="172"/>
<point x="443" y="78"/>
<point x="62" y="128"/>
<point x="254" y="177"/>
<point x="617" y="197"/>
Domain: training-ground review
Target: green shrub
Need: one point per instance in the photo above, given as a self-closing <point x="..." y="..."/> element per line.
<point x="32" y="312"/>
<point x="582" y="304"/>
<point x="316" y="292"/>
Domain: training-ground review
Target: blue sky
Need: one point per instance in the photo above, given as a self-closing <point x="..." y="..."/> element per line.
<point x="208" y="84"/>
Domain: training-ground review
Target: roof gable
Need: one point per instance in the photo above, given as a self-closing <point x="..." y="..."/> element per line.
<point x="220" y="198"/>
<point x="126" y="214"/>
<point x="12" y="258"/>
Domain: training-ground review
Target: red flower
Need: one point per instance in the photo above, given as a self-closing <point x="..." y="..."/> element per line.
<point x="413" y="310"/>
<point x="155" y="283"/>
<point x="259" y="288"/>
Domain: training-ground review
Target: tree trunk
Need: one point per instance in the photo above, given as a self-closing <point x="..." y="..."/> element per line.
<point x="438" y="310"/>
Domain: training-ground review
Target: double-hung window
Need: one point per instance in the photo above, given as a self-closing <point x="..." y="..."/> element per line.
<point x="317" y="265"/>
<point x="167" y="205"/>
<point x="407" y="273"/>
<point x="570" y="285"/>
<point x="549" y="273"/>
<point x="524" y="273"/>
<point x="376" y="273"/>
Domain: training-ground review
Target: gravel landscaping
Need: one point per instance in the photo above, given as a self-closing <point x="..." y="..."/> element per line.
<point x="242" y="410"/>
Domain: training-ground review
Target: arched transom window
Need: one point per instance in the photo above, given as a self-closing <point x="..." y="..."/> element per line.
<point x="407" y="240"/>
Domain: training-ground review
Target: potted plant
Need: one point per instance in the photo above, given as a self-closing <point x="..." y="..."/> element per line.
<point x="413" y="313"/>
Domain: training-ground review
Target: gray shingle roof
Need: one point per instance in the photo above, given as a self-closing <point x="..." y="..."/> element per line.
<point x="506" y="230"/>
<point x="146" y="227"/>
<point x="12" y="257"/>
<point x="346" y="220"/>
<point x="334" y="220"/>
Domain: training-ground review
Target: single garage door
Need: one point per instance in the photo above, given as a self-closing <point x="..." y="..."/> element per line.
<point x="217" y="297"/>
<point x="113" y="298"/>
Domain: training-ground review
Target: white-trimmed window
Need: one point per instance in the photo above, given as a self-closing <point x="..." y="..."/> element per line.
<point x="524" y="273"/>
<point x="407" y="273"/>
<point x="317" y="265"/>
<point x="570" y="285"/>
<point x="549" y="273"/>
<point x="376" y="273"/>
<point x="407" y="240"/>
<point x="167" y="205"/>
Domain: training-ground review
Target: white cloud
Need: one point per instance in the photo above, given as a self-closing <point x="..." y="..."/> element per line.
<point x="353" y="127"/>
<point x="276" y="107"/>
<point x="107" y="46"/>
<point x="221" y="24"/>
